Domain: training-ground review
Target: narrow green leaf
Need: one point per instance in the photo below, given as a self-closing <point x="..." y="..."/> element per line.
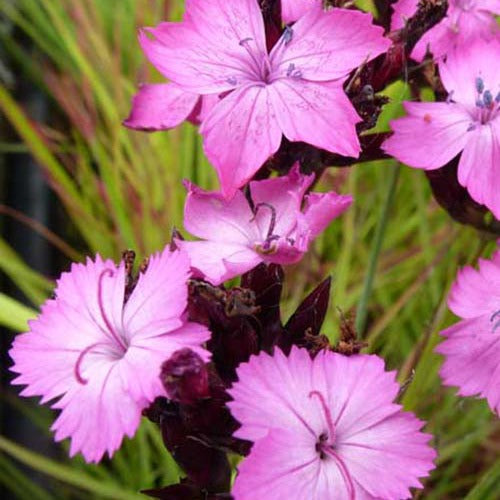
<point x="13" y="314"/>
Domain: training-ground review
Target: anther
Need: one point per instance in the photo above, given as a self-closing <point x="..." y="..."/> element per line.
<point x="287" y="35"/>
<point x="479" y="85"/>
<point x="290" y="69"/>
<point x="494" y="315"/>
<point x="245" y="40"/>
<point x="487" y="98"/>
<point x="497" y="98"/>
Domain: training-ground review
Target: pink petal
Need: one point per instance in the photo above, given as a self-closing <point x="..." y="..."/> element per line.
<point x="464" y="65"/>
<point x="388" y="459"/>
<point x="318" y="55"/>
<point x="317" y="113"/>
<point x="159" y="298"/>
<point x="472" y="354"/>
<point x="284" y="194"/>
<point x="97" y="415"/>
<point x="218" y="261"/>
<point x="291" y="10"/>
<point x="239" y="135"/>
<point x="209" y="40"/>
<point x="203" y="107"/>
<point x="287" y="464"/>
<point x="474" y="293"/>
<point x="431" y="135"/>
<point x="402" y="11"/>
<point x="210" y="216"/>
<point x="321" y="208"/>
<point x="479" y="166"/>
<point x="160" y="107"/>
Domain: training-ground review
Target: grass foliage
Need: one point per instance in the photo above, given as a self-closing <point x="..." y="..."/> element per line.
<point x="122" y="189"/>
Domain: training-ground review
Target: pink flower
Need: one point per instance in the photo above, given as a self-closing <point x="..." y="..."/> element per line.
<point x="434" y="133"/>
<point x="325" y="428"/>
<point x="162" y="106"/>
<point x="291" y="10"/>
<point x="472" y="347"/>
<point x="296" y="90"/>
<point x="278" y="228"/>
<point x="101" y="355"/>
<point x="465" y="21"/>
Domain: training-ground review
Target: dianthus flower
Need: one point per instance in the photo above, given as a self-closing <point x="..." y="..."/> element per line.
<point x="466" y="20"/>
<point x="275" y="225"/>
<point x="434" y="133"/>
<point x="472" y="346"/>
<point x="295" y="90"/>
<point x="100" y="355"/>
<point x="325" y="428"/>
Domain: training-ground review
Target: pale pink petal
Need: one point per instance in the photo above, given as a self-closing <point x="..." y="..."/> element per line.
<point x="490" y="5"/>
<point x="160" y="106"/>
<point x="388" y="458"/>
<point x="203" y="107"/>
<point x="291" y="10"/>
<point x="317" y="113"/>
<point x="218" y="261"/>
<point x="210" y="216"/>
<point x="159" y="298"/>
<point x="320" y="56"/>
<point x="287" y="464"/>
<point x="464" y="65"/>
<point x="320" y="209"/>
<point x="475" y="293"/>
<point x="284" y="194"/>
<point x="239" y="135"/>
<point x="472" y="358"/>
<point x="402" y="11"/>
<point x="432" y="134"/>
<point x="479" y="166"/>
<point x="203" y="54"/>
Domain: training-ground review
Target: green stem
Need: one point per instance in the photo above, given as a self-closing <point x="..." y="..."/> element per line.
<point x="362" y="310"/>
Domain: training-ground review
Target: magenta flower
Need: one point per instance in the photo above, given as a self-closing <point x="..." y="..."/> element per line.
<point x="162" y="106"/>
<point x="291" y="10"/>
<point x="296" y="90"/>
<point x="277" y="228"/>
<point x="472" y="346"/>
<point x="434" y="133"/>
<point x="100" y="355"/>
<point x="466" y="20"/>
<point x="325" y="428"/>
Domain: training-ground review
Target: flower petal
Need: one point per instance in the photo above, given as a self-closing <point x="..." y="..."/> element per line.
<point x="479" y="166"/>
<point x="159" y="298"/>
<point x="402" y="11"/>
<point x="388" y="459"/>
<point x="291" y="10"/>
<point x="430" y="136"/>
<point x="317" y="113"/>
<point x="203" y="54"/>
<point x="239" y="135"/>
<point x="160" y="107"/>
<point x="475" y="293"/>
<point x="209" y="215"/>
<point x="320" y="56"/>
<point x="472" y="359"/>
<point x="218" y="261"/>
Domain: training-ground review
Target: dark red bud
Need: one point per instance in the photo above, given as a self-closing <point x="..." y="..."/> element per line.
<point x="185" y="378"/>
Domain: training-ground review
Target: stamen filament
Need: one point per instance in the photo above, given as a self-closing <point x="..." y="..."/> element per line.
<point x="108" y="323"/>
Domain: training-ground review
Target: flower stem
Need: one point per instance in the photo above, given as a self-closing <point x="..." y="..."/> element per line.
<point x="362" y="310"/>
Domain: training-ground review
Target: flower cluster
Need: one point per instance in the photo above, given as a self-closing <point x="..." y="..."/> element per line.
<point x="286" y="87"/>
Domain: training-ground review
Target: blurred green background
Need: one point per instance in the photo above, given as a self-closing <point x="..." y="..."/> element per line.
<point x="121" y="189"/>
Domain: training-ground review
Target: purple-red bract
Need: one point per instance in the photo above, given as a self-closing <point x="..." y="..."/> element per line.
<point x="295" y="90"/>
<point x="465" y="21"/>
<point x="472" y="346"/>
<point x="434" y="133"/>
<point x="325" y="428"/>
<point x="100" y="357"/>
<point x="278" y="228"/>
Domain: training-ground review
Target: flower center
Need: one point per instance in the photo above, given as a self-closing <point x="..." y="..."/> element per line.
<point x="260" y="66"/>
<point x="115" y="348"/>
<point x="487" y="106"/>
<point x="325" y="446"/>
<point x="268" y="246"/>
